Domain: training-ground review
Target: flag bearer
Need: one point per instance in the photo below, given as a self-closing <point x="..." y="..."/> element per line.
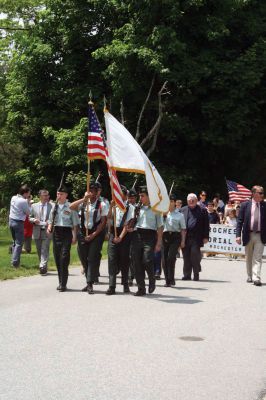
<point x="119" y="247"/>
<point x="89" y="246"/>
<point x="146" y="240"/>
<point x="132" y="199"/>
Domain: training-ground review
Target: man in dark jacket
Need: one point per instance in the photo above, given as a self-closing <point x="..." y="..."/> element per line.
<point x="251" y="223"/>
<point x="197" y="224"/>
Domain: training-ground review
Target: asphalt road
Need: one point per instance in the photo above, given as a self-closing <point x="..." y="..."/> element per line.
<point x="199" y="340"/>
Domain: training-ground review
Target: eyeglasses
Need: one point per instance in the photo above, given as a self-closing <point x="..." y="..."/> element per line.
<point x="261" y="193"/>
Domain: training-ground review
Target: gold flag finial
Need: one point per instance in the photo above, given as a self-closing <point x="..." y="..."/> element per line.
<point x="104" y="104"/>
<point x="90" y="98"/>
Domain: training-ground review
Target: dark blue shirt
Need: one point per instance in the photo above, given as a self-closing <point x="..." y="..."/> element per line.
<point x="192" y="218"/>
<point x="213" y="218"/>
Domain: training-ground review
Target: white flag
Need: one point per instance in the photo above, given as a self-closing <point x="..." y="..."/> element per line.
<point x="125" y="154"/>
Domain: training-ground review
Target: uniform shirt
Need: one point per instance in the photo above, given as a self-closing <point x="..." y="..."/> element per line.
<point x="102" y="212"/>
<point x="148" y="219"/>
<point x="19" y="208"/>
<point x="174" y="221"/>
<point x="64" y="216"/>
<point x="120" y="214"/>
<point x="106" y="202"/>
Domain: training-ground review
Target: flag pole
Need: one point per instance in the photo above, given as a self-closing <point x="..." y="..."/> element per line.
<point x="171" y="189"/>
<point x="110" y="178"/>
<point x="134" y="184"/>
<point x="90" y="103"/>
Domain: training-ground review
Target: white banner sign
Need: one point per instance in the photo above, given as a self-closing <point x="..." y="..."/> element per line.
<point x="223" y="240"/>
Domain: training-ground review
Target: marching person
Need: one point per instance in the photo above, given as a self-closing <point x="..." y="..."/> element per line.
<point x="174" y="235"/>
<point x="63" y="224"/>
<point x="93" y="216"/>
<point x="132" y="199"/>
<point x="39" y="218"/>
<point x="107" y="203"/>
<point x="19" y="210"/>
<point x="197" y="224"/>
<point x="146" y="240"/>
<point x="251" y="225"/>
<point x="119" y="246"/>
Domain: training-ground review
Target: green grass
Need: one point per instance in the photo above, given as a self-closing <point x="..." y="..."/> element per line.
<point x="29" y="263"/>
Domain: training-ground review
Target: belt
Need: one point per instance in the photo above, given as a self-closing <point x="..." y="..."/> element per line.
<point x="255" y="232"/>
<point x="82" y="231"/>
<point x="172" y="233"/>
<point x="118" y="230"/>
<point x="145" y="231"/>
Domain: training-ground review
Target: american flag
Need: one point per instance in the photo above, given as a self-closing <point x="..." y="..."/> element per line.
<point x="237" y="192"/>
<point x="97" y="149"/>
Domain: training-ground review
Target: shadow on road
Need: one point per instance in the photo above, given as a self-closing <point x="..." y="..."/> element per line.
<point x="173" y="299"/>
<point x="213" y="280"/>
<point x="183" y="287"/>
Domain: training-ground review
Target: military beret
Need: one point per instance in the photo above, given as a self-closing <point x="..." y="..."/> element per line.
<point x="143" y="189"/>
<point x="63" y="189"/>
<point x="132" y="193"/>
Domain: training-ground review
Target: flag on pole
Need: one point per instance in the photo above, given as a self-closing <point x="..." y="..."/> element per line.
<point x="237" y="192"/>
<point x="125" y="154"/>
<point x="97" y="150"/>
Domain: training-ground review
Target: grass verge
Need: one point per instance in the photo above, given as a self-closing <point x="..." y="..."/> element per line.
<point x="29" y="263"/>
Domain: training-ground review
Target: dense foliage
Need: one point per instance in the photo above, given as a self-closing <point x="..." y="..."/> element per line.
<point x="212" y="53"/>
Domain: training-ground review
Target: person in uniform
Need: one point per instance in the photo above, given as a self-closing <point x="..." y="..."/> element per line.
<point x="146" y="240"/>
<point x="174" y="235"/>
<point x="93" y="215"/>
<point x="63" y="224"/>
<point x="107" y="203"/>
<point x="119" y="246"/>
<point x="132" y="199"/>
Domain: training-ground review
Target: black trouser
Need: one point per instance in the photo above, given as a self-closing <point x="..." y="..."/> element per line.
<point x="171" y="244"/>
<point x="89" y="255"/>
<point x="143" y="245"/>
<point x="192" y="257"/>
<point x="118" y="260"/>
<point x="102" y="237"/>
<point x="62" y="239"/>
<point x="131" y="272"/>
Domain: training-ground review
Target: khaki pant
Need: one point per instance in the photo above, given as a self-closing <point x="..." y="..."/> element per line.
<point x="254" y="251"/>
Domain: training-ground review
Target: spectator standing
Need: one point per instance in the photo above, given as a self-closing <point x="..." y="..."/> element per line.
<point x="213" y="216"/>
<point x="230" y="220"/>
<point x="202" y="199"/>
<point x="19" y="209"/>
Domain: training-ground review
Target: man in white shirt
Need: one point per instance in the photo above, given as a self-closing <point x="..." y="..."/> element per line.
<point x="19" y="209"/>
<point x="39" y="218"/>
